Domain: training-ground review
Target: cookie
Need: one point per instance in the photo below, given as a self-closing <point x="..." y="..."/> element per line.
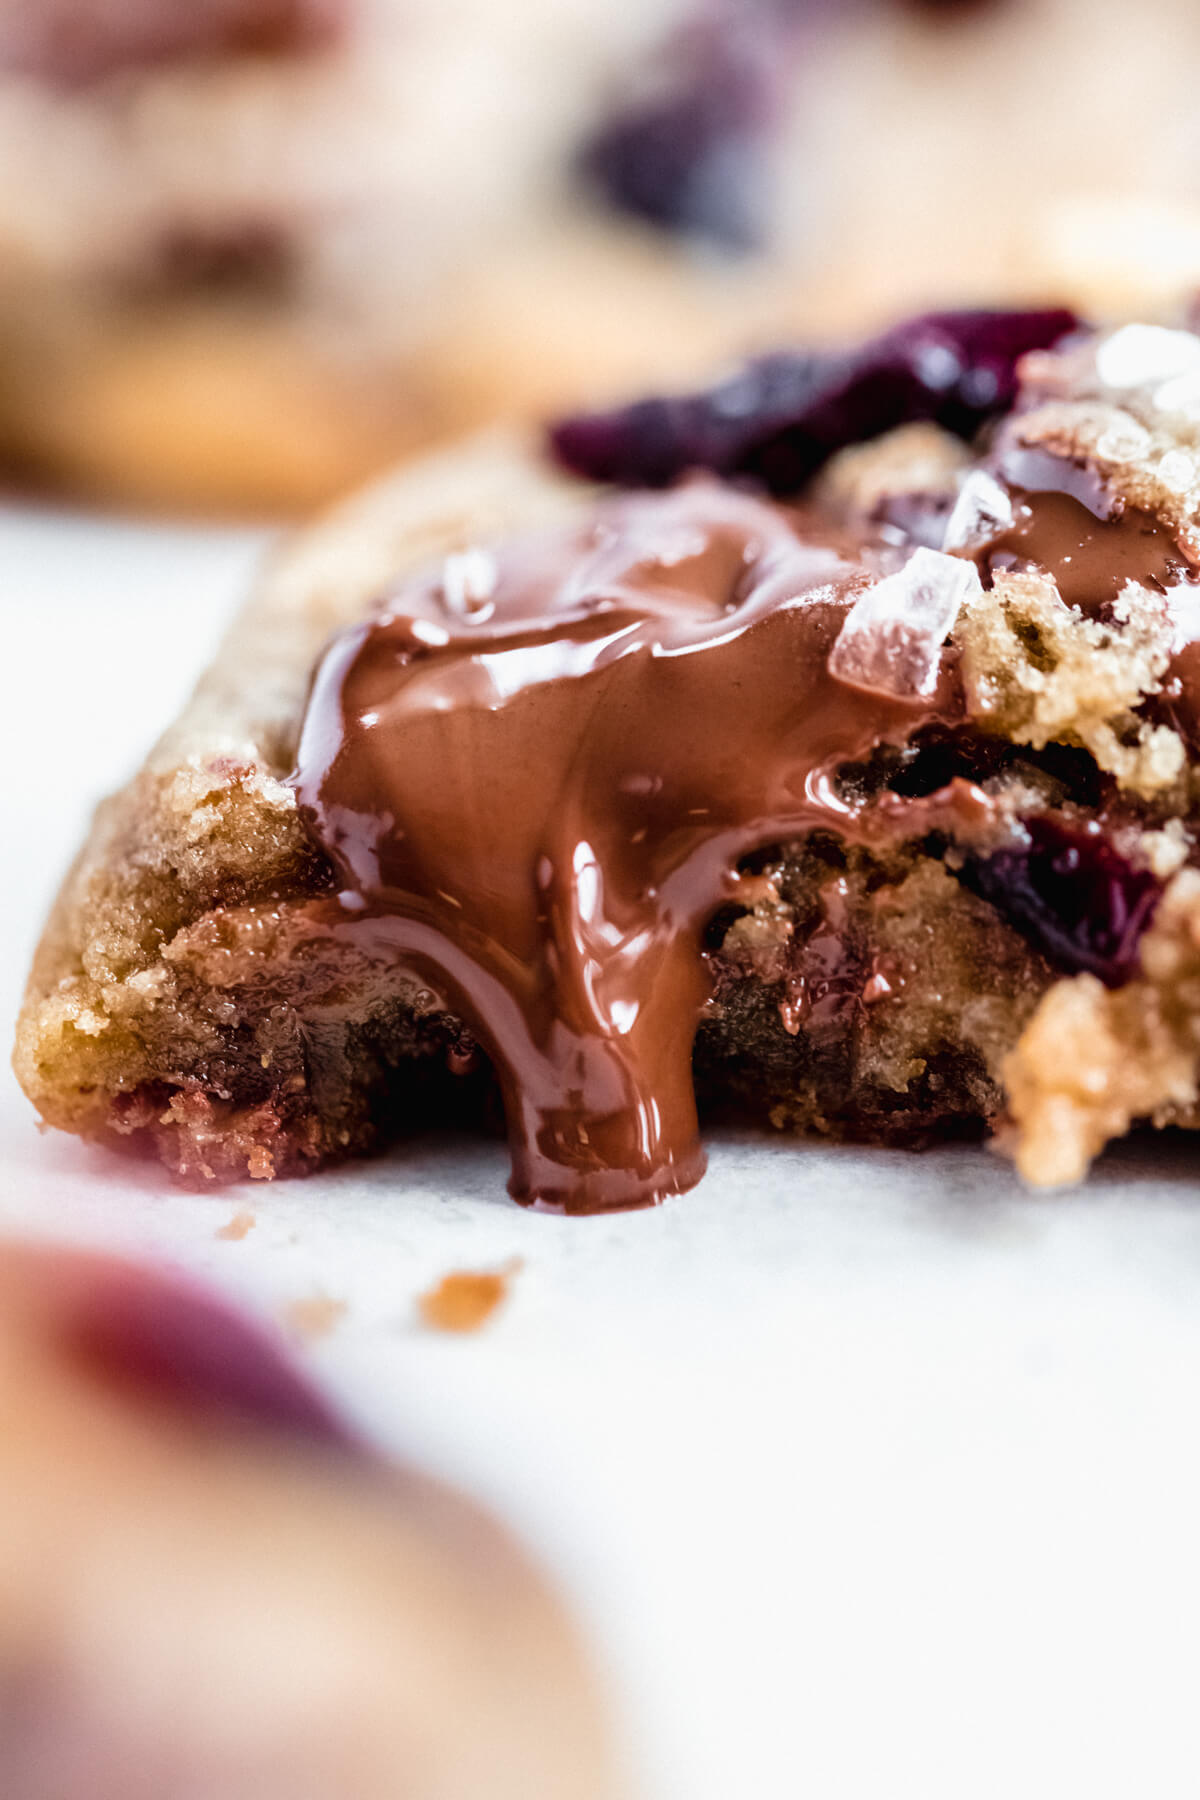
<point x="209" y="1585"/>
<point x="249" y="259"/>
<point x="846" y="786"/>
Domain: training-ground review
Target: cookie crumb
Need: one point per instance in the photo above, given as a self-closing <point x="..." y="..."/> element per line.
<point x="314" y="1317"/>
<point x="463" y="1301"/>
<point x="237" y="1227"/>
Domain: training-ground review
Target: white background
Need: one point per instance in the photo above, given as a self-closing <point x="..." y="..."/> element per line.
<point x="869" y="1475"/>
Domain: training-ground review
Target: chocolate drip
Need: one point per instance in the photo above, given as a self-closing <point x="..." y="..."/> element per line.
<point x="536" y="776"/>
<point x="1067" y="521"/>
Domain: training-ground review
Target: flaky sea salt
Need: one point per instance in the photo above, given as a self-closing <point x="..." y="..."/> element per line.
<point x="468" y="582"/>
<point x="983" y="510"/>
<point x="1177" y="471"/>
<point x="1141" y="355"/>
<point x="891" y="639"/>
<point x="1180" y="395"/>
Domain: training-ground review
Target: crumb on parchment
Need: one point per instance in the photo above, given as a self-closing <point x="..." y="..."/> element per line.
<point x="236" y="1228"/>
<point x="465" y="1300"/>
<point x="314" y="1316"/>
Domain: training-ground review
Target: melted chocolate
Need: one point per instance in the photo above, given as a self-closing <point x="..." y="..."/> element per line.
<point x="1181" y="689"/>
<point x="1067" y="521"/>
<point x="537" y="774"/>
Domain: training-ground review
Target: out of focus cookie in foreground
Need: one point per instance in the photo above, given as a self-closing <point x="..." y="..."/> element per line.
<point x="208" y="1586"/>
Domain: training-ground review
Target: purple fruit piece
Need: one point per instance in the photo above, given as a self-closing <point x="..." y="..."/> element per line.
<point x="1072" y="895"/>
<point x="177" y="1345"/>
<point x="782" y="416"/>
<point x="688" y="155"/>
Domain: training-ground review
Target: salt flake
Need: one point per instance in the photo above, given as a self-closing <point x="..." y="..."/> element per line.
<point x="469" y="580"/>
<point x="891" y="639"/>
<point x="1177" y="471"/>
<point x="1139" y="355"/>
<point x="1180" y="395"/>
<point x="983" y="510"/>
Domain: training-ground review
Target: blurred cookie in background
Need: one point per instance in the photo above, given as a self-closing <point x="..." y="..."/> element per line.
<point x="247" y="258"/>
<point x="252" y="249"/>
<point x="208" y="1586"/>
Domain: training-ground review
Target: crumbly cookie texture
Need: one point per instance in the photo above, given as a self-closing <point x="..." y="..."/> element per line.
<point x="1128" y="404"/>
<point x="1039" y="672"/>
<point x="912" y="982"/>
<point x="1092" y="1061"/>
